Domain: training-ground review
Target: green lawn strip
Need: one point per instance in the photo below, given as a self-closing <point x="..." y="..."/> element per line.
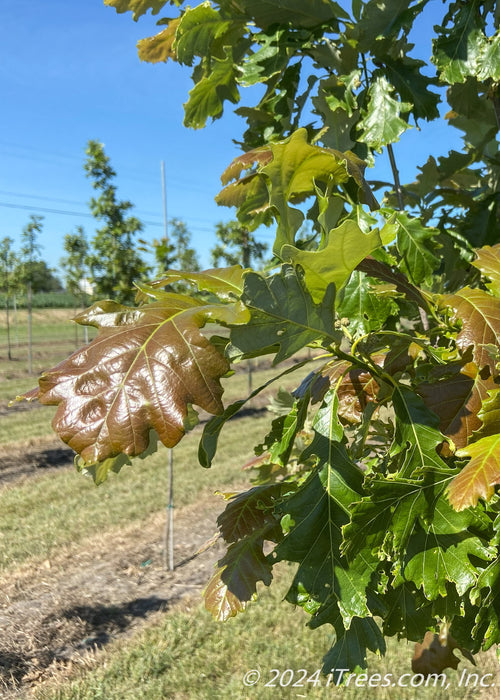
<point x="185" y="654"/>
<point x="43" y="513"/>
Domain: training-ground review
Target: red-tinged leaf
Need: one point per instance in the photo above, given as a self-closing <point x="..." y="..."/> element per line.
<point x="480" y="476"/>
<point x="488" y="261"/>
<point x="355" y="388"/>
<point x="144" y="369"/>
<point x="436" y="653"/>
<point x="479" y="313"/>
<point x="457" y="400"/>
<point x="139" y="7"/>
<point x="234" y="583"/>
<point x="256" y="157"/>
<point x="160" y="47"/>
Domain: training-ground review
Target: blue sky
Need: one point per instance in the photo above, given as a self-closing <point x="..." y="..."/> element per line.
<point x="69" y="72"/>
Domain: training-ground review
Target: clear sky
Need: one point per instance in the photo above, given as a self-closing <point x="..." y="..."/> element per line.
<point x="69" y="72"/>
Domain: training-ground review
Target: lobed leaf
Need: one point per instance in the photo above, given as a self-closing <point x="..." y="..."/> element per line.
<point x="488" y="261"/>
<point x="480" y="476"/>
<point x="283" y="316"/>
<point x="457" y="400"/>
<point x="382" y="124"/>
<point x="366" y="308"/>
<point x="344" y="248"/>
<point x="479" y="313"/>
<point x="140" y="7"/>
<point x="207" y="97"/>
<point x="144" y="369"/>
<point x="266" y="13"/>
<point x="197" y="30"/>
<point x="160" y="47"/>
<point x="432" y="560"/>
<point x="234" y="583"/>
<point x="225" y="282"/>
<point x="417" y="248"/>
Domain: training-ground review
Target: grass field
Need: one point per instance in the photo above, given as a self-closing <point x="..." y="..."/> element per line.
<point x="59" y="516"/>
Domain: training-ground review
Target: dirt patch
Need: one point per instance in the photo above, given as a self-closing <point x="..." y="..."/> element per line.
<point x="33" y="457"/>
<point x="55" y="612"/>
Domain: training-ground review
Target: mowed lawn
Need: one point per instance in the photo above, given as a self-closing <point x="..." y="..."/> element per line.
<point x="182" y="653"/>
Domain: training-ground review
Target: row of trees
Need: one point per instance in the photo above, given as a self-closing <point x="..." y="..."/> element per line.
<point x="110" y="263"/>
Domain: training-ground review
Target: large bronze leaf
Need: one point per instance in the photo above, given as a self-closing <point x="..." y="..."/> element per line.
<point x="144" y="369"/>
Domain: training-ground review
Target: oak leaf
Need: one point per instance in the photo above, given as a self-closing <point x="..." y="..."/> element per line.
<point x="480" y="476"/>
<point x="141" y="373"/>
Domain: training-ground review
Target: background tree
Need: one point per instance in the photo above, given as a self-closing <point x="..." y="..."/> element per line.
<point x="43" y="278"/>
<point x="176" y="252"/>
<point x="114" y="261"/>
<point x="76" y="269"/>
<point x="236" y="246"/>
<point x="30" y="252"/>
<point x="8" y="262"/>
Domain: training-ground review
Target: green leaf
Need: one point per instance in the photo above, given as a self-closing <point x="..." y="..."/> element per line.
<point x="350" y="647"/>
<point x="293" y="172"/>
<point x="145" y="367"/>
<point x="490" y="414"/>
<point x="196" y="32"/>
<point x="268" y="12"/>
<point x="225" y="282"/>
<point x="417" y="248"/>
<point x="382" y="124"/>
<point x="284" y="317"/>
<point x="416" y="438"/>
<point x="207" y="97"/>
<point x="234" y="583"/>
<point x="412" y="86"/>
<point x="480" y="476"/>
<point x="269" y="60"/>
<point x="479" y="313"/>
<point x="384" y="272"/>
<point x="366" y="309"/>
<point x="318" y="510"/>
<point x="458" y="50"/>
<point x="140" y="7"/>
<point x="489" y="64"/>
<point x="343" y="249"/>
<point x="431" y="560"/>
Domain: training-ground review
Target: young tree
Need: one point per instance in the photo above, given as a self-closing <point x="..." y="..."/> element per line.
<point x="30" y="252"/>
<point x="77" y="269"/>
<point x="114" y="261"/>
<point x="236" y="246"/>
<point x="8" y="262"/>
<point x="175" y="252"/>
<point x="380" y="482"/>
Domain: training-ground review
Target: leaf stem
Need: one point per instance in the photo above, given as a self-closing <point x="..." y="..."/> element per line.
<point x="397" y="182"/>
